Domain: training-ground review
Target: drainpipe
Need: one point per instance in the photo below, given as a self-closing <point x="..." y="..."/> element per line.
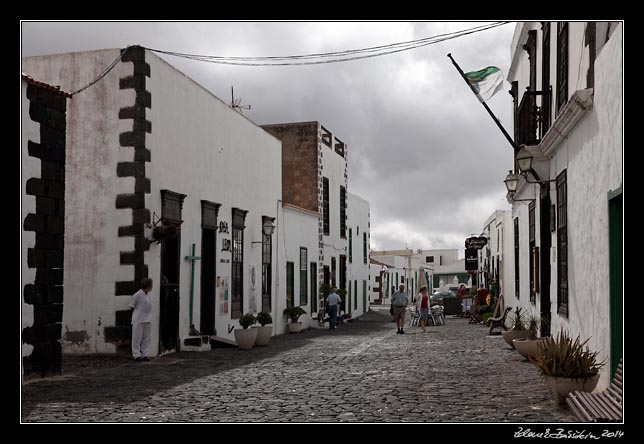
<point x="277" y="266"/>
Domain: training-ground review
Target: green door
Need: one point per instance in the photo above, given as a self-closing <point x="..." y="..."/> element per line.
<point x="615" y="240"/>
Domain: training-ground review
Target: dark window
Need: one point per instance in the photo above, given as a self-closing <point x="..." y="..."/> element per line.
<point x="591" y="42"/>
<point x="267" y="272"/>
<point x="531" y="237"/>
<point x="325" y="210"/>
<point x="343" y="212"/>
<point x="364" y="247"/>
<point x="531" y="48"/>
<point x="339" y="147"/>
<point x="516" y="257"/>
<point x="350" y="246"/>
<point x="326" y="136"/>
<point x="304" y="285"/>
<point x="237" y="286"/>
<point x="333" y="271"/>
<point x="290" y="284"/>
<point x="429" y="259"/>
<point x="562" y="64"/>
<point x="343" y="272"/>
<point x="562" y="245"/>
<point x="546" y="99"/>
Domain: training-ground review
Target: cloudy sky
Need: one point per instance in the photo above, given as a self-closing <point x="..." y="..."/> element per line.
<point x="422" y="150"/>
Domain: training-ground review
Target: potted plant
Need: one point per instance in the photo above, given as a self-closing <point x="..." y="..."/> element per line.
<point x="294" y="313"/>
<point x="518" y="329"/>
<point x="246" y="337"/>
<point x="265" y="331"/>
<point x="527" y="346"/>
<point x="567" y="365"/>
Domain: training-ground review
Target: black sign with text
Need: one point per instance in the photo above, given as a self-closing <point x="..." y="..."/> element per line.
<point x="471" y="259"/>
<point x="476" y="242"/>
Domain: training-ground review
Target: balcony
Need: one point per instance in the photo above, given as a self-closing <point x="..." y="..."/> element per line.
<point x="533" y="121"/>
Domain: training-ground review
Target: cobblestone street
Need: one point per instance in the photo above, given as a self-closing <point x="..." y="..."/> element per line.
<point x="452" y="373"/>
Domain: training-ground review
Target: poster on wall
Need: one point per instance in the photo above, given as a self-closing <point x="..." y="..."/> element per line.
<point x="253" y="288"/>
<point x="222" y="291"/>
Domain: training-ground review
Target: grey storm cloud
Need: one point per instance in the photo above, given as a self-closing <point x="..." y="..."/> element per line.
<point x="422" y="150"/>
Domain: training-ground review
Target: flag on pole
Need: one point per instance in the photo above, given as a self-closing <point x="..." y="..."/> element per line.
<point x="485" y="82"/>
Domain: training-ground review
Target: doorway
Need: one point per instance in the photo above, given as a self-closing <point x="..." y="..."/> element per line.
<point x="169" y="295"/>
<point x="616" y="250"/>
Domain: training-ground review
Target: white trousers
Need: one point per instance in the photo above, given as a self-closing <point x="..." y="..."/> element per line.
<point x="141" y="334"/>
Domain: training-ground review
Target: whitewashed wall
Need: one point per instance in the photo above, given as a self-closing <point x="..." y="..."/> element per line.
<point x="297" y="228"/>
<point x="92" y="245"/>
<point x="593" y="157"/>
<point x="202" y="148"/>
<point x="358" y="219"/>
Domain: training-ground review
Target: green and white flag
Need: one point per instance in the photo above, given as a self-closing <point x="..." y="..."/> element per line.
<point x="485" y="82"/>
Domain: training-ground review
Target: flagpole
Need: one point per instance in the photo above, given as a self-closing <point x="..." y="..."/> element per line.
<point x="505" y="133"/>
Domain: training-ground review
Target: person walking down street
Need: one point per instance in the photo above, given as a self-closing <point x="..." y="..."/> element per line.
<point x="400" y="301"/>
<point x="422" y="305"/>
<point x="141" y="306"/>
<point x="333" y="302"/>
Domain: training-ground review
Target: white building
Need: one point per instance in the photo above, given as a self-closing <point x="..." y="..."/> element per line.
<point x="314" y="178"/>
<point x="358" y="268"/>
<point x="567" y="82"/>
<point x="491" y="256"/>
<point x="148" y="147"/>
<point x="298" y="277"/>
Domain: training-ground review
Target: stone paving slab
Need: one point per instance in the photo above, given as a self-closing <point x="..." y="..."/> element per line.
<point x="452" y="373"/>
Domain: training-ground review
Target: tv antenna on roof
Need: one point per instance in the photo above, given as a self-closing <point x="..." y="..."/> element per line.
<point x="236" y="104"/>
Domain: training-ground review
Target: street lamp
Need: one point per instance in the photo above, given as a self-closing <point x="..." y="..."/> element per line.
<point x="267" y="228"/>
<point x="524" y="162"/>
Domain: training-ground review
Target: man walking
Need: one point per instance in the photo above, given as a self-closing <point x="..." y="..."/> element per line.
<point x="141" y="307"/>
<point x="400" y="301"/>
<point x="332" y="303"/>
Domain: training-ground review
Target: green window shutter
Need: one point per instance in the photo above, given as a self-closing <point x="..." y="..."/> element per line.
<point x="364" y="246"/>
<point x="355" y="294"/>
<point x="290" y="297"/>
<point x="304" y="285"/>
<point x="350" y="245"/>
<point x="364" y="296"/>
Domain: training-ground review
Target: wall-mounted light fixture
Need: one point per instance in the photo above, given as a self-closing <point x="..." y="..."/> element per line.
<point x="267" y="228"/>
<point x="524" y="162"/>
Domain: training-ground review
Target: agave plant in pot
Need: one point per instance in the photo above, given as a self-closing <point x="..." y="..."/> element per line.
<point x="567" y="365"/>
<point x="527" y="346"/>
<point x="265" y="331"/>
<point x="518" y="329"/>
<point x="246" y="337"/>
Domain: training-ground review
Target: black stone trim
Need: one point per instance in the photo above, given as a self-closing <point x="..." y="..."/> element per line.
<point x="47" y="107"/>
<point x="121" y="332"/>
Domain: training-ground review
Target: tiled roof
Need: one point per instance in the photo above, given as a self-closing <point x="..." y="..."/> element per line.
<point x="43" y="85"/>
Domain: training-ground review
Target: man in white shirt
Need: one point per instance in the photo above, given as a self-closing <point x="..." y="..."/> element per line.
<point x="399" y="301"/>
<point x="141" y="306"/>
<point x="332" y="303"/>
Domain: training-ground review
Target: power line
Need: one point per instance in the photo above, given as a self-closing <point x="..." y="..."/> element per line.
<point x="104" y="73"/>
<point x="347" y="55"/>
